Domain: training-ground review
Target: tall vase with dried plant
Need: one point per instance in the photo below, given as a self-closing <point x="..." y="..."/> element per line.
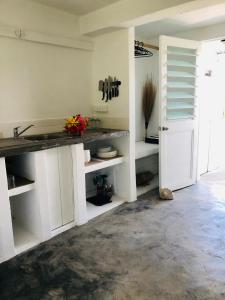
<point x="148" y="100"/>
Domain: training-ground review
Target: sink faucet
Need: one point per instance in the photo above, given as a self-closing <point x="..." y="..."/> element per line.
<point x="16" y="132"/>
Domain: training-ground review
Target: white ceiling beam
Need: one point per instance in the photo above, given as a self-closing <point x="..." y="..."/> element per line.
<point x="206" y="33"/>
<point x="128" y="13"/>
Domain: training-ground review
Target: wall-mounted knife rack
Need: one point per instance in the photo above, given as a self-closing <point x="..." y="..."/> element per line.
<point x="109" y="88"/>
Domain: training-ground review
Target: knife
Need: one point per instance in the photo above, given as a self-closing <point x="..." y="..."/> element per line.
<point x="118" y="90"/>
<point x="117" y="84"/>
<point x="106" y="90"/>
<point x="115" y="87"/>
<point x="101" y="88"/>
<point x="110" y="81"/>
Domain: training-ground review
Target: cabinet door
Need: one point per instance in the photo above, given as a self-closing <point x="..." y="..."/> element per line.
<point x="53" y="183"/>
<point x="66" y="183"/>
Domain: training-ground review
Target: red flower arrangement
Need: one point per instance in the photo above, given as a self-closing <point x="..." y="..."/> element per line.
<point x="76" y="124"/>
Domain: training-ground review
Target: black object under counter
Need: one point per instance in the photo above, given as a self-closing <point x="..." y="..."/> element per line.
<point x="11" y="146"/>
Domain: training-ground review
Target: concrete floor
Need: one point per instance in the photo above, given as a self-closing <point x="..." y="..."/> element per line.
<point x="147" y="250"/>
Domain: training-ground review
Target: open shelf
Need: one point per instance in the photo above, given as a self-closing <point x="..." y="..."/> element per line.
<point x="23" y="185"/>
<point x="23" y="239"/>
<point x="143" y="149"/>
<point x="97" y="164"/>
<point x="23" y="170"/>
<point x="94" y="211"/>
<point x="141" y="190"/>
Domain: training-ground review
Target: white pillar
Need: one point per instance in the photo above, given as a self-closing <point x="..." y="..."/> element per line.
<point x="6" y="232"/>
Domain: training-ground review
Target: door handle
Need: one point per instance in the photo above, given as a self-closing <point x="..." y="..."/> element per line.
<point x="163" y="128"/>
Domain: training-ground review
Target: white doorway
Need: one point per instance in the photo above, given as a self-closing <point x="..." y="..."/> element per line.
<point x="212" y="107"/>
<point x="209" y="106"/>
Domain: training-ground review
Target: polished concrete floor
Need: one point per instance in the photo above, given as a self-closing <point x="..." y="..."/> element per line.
<point x="147" y="250"/>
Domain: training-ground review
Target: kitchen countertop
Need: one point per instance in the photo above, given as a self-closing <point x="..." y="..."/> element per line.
<point x="11" y="146"/>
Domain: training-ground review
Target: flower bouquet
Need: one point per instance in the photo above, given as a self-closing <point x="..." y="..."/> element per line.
<point x="76" y="124"/>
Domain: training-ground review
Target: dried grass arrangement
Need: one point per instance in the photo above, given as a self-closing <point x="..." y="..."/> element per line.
<point x="148" y="100"/>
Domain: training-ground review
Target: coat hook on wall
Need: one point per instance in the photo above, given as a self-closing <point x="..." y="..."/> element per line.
<point x="109" y="88"/>
<point x="18" y="33"/>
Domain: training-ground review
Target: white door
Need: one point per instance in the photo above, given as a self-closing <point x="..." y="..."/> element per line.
<point x="178" y="131"/>
<point x="59" y="169"/>
<point x="66" y="184"/>
<point x="53" y="184"/>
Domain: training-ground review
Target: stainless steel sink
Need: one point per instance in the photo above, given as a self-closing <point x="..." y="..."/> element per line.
<point x="46" y="137"/>
<point x="61" y="135"/>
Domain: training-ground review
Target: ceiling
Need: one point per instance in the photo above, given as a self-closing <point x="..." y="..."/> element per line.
<point x="77" y="7"/>
<point x="183" y="22"/>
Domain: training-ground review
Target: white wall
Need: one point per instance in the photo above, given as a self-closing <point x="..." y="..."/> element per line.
<point x="111" y="57"/>
<point x="37" y="17"/>
<point x="40" y="81"/>
<point x="146" y="67"/>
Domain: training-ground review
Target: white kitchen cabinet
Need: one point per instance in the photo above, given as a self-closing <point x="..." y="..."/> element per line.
<point x="50" y="193"/>
<point x="60" y="186"/>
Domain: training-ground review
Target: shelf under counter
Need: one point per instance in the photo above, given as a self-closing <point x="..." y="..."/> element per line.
<point x="97" y="163"/>
<point x="154" y="184"/>
<point x="23" y="239"/>
<point x="23" y="185"/>
<point x="143" y="149"/>
<point x="94" y="211"/>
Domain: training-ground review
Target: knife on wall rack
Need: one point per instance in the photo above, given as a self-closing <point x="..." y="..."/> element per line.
<point x="109" y="88"/>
